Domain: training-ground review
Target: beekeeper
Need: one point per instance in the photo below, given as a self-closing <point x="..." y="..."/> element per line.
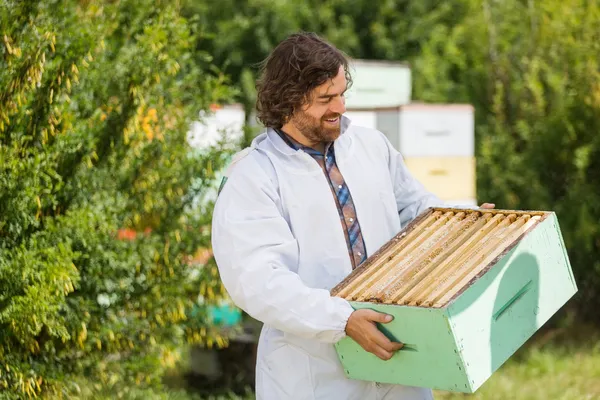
<point x="307" y="203"/>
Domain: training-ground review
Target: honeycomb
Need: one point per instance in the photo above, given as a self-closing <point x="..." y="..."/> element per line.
<point x="437" y="256"/>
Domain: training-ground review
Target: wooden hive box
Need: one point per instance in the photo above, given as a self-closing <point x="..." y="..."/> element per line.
<point x="466" y="288"/>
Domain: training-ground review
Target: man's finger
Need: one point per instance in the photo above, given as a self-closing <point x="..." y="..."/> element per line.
<point x="392" y="347"/>
<point x="382" y="353"/>
<point x="487" y="205"/>
<point x="397" y="346"/>
<point x="379" y="317"/>
<point x="382" y="341"/>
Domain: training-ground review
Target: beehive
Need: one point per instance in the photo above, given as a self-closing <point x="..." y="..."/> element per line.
<point x="450" y="178"/>
<point x="437" y="143"/>
<point x="466" y="288"/>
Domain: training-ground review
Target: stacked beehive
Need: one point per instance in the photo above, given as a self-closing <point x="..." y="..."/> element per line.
<point x="437" y="140"/>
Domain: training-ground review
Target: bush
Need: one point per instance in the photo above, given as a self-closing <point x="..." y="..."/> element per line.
<point x="98" y="193"/>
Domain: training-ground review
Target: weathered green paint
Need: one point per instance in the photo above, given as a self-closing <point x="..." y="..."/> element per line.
<point x="457" y="348"/>
<point x="429" y="346"/>
<point x="523" y="290"/>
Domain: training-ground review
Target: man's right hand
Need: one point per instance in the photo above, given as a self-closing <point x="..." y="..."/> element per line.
<point x="361" y="327"/>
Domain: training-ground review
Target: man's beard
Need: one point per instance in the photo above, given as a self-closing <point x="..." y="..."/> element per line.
<point x="316" y="130"/>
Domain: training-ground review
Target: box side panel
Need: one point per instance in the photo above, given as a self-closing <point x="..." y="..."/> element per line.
<point x="429" y="357"/>
<point x="564" y="249"/>
<point x="510" y="302"/>
<point x="447" y="177"/>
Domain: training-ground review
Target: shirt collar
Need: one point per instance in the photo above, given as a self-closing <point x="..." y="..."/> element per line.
<point x="294" y="144"/>
<point x="290" y="141"/>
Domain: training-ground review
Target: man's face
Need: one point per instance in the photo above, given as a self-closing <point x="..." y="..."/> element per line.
<point x="319" y="120"/>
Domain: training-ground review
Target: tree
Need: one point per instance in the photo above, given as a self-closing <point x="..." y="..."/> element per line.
<point x="95" y="104"/>
<point x="532" y="72"/>
<point x="530" y="69"/>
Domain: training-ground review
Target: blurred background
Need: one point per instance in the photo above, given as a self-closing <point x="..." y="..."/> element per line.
<point x="117" y="118"/>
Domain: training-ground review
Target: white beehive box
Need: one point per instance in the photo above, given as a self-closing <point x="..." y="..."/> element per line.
<point x="363" y="118"/>
<point x="378" y="84"/>
<point x="436" y="130"/>
<point x="437" y="143"/>
<point x="220" y="121"/>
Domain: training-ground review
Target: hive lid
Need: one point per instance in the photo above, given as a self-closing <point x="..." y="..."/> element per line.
<point x="437" y="256"/>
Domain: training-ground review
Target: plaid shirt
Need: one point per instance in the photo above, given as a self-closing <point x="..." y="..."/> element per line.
<point x="345" y="205"/>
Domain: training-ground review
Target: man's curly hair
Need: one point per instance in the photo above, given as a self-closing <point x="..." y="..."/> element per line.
<point x="296" y="66"/>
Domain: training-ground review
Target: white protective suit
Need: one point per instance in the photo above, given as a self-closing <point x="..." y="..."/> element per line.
<point x="280" y="248"/>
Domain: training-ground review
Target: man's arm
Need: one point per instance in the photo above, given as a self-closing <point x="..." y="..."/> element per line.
<point x="255" y="252"/>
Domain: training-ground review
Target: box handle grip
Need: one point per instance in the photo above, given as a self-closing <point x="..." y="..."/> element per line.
<point x="512" y="300"/>
<point x="438" y="172"/>
<point x="409" y="347"/>
<point x="437" y="133"/>
<point x="388" y="334"/>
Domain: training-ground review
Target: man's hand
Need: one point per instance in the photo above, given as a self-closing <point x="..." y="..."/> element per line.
<point x="488" y="206"/>
<point x="361" y="327"/>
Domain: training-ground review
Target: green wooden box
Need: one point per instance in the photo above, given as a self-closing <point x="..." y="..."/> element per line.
<point x="466" y="288"/>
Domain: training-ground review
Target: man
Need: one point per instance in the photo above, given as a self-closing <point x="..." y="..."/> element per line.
<point x="303" y="206"/>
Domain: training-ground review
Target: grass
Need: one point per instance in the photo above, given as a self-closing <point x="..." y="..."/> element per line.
<point x="559" y="364"/>
<point x="562" y="364"/>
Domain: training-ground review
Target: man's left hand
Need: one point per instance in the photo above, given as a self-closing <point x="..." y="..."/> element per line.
<point x="487" y="206"/>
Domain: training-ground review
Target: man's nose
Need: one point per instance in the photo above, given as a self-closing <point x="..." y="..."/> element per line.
<point x="338" y="105"/>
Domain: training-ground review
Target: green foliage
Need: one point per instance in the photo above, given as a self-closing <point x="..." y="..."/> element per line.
<point x="241" y="33"/>
<point x="95" y="102"/>
<point x="89" y="392"/>
<point x="530" y="68"/>
<point x="532" y="72"/>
